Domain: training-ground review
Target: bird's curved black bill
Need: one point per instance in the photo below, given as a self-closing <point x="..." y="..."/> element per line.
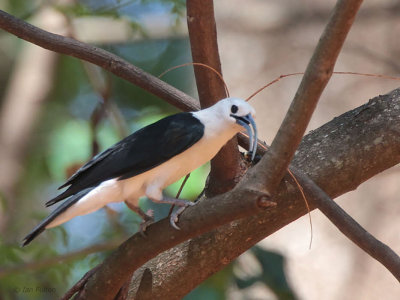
<point x="250" y="125"/>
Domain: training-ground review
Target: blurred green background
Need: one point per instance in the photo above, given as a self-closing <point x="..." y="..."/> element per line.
<point x="67" y="112"/>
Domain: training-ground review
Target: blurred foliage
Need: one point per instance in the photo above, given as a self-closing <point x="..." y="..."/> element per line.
<point x="272" y="274"/>
<point x="63" y="140"/>
<point x="265" y="268"/>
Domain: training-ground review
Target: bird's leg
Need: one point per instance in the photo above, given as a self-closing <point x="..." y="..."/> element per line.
<point x="148" y="217"/>
<point x="178" y="202"/>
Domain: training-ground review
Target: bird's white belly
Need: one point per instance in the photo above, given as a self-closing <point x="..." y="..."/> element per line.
<point x="152" y="182"/>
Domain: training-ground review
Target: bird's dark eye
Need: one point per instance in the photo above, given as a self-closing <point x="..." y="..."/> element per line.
<point x="234" y="109"/>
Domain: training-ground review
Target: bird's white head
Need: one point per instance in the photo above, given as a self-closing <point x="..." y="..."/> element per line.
<point x="234" y="109"/>
<point x="241" y="114"/>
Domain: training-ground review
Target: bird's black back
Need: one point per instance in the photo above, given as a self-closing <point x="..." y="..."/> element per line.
<point x="137" y="153"/>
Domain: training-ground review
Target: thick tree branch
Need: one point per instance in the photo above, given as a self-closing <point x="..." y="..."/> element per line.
<point x="319" y="70"/>
<point x="338" y="156"/>
<point x="203" y="41"/>
<point x="209" y="214"/>
<point x="97" y="56"/>
<point x="349" y="227"/>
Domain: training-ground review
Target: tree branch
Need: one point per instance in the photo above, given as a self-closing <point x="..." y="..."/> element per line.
<point x="225" y="166"/>
<point x="349" y="227"/>
<point x="97" y="56"/>
<point x="319" y="70"/>
<point x="353" y="148"/>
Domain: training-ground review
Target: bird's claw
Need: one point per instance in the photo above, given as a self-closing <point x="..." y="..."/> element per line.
<point x="174" y="218"/>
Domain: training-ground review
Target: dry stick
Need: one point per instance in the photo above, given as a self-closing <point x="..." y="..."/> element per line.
<point x="274" y="164"/>
<point x="349" y="227"/>
<point x="225" y="166"/>
<point x="272" y="82"/>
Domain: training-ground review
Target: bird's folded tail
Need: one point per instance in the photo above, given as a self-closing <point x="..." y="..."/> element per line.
<point x="60" y="209"/>
<point x="67" y="193"/>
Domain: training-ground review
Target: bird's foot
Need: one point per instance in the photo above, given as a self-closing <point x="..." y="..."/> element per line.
<point x="147" y="217"/>
<point x="174" y="218"/>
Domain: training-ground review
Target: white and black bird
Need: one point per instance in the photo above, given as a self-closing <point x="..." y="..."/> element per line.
<point x="150" y="159"/>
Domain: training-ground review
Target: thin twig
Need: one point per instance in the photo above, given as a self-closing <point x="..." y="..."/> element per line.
<point x="334" y="73"/>
<point x="300" y="187"/>
<point x="195" y="64"/>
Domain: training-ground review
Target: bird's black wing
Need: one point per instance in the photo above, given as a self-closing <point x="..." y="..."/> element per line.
<point x="137" y="153"/>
